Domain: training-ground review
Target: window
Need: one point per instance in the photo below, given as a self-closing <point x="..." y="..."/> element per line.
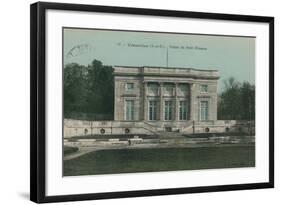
<point x="153" y="107"/>
<point x="168" y="110"/>
<point x="204" y="110"/>
<point x="183" y="87"/>
<point x="168" y="88"/>
<point x="129" y="86"/>
<point x="204" y="88"/>
<point x="130" y="110"/>
<point x="183" y="110"/>
<point x="153" y="87"/>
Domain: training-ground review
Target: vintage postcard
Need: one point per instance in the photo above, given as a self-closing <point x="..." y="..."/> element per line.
<point x="139" y="101"/>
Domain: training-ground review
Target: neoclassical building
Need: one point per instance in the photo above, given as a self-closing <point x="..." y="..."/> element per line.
<point x="164" y="97"/>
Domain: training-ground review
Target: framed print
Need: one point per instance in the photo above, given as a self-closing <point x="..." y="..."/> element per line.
<point x="129" y="102"/>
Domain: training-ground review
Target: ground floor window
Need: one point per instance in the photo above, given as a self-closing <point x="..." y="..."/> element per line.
<point x="168" y="110"/>
<point x="130" y="107"/>
<point x="153" y="107"/>
<point x="183" y="110"/>
<point x="204" y="110"/>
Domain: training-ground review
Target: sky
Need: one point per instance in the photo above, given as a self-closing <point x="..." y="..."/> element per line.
<point x="232" y="56"/>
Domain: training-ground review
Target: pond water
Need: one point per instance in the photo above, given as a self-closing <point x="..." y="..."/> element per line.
<point x="160" y="159"/>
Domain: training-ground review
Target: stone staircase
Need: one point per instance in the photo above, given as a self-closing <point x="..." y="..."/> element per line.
<point x="188" y="128"/>
<point x="164" y="134"/>
<point x="150" y="128"/>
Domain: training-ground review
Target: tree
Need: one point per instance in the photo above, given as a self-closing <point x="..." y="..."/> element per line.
<point x="237" y="101"/>
<point x="229" y="100"/>
<point x="88" y="91"/>
<point x="248" y="101"/>
<point x="74" y="88"/>
<point x="100" y="83"/>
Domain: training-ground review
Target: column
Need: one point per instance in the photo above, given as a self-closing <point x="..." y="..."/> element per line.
<point x="161" y="103"/>
<point x="176" y="117"/>
<point x="145" y="103"/>
<point x="192" y="102"/>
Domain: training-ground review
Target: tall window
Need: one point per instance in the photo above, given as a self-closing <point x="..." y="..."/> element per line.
<point x="129" y="86"/>
<point x="204" y="110"/>
<point x="183" y="108"/>
<point x="130" y="106"/>
<point x="168" y="110"/>
<point x="153" y="107"/>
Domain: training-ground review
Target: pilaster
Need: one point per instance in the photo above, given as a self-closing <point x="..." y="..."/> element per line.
<point x="145" y="103"/>
<point x="192" y="104"/>
<point x="161" y="103"/>
<point x="176" y="117"/>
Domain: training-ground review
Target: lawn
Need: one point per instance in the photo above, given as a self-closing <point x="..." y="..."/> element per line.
<point x="69" y="150"/>
<point x="160" y="159"/>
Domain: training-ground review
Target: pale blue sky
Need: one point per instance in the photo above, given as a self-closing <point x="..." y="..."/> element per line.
<point x="231" y="56"/>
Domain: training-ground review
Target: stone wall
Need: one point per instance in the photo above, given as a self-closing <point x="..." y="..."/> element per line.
<point x="220" y="126"/>
<point x="80" y="128"/>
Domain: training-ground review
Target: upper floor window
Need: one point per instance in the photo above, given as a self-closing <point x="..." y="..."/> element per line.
<point x="168" y="89"/>
<point x="153" y="87"/>
<point x="129" y="86"/>
<point x="183" y="89"/>
<point x="204" y="88"/>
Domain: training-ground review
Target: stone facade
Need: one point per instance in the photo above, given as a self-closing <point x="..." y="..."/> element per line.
<point x="166" y="98"/>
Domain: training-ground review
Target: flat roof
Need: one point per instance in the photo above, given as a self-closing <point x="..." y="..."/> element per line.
<point x="153" y="71"/>
<point x="183" y="68"/>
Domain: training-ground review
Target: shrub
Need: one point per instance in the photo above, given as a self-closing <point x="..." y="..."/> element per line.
<point x="69" y="150"/>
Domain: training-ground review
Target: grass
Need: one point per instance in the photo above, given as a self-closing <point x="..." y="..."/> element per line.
<point x="160" y="159"/>
<point x="107" y="136"/>
<point x="69" y="150"/>
<point x="221" y="134"/>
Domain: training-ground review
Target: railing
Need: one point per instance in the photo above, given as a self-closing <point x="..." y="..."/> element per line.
<point x="188" y="125"/>
<point x="150" y="127"/>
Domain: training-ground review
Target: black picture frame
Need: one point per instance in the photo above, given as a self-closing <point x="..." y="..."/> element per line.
<point x="38" y="101"/>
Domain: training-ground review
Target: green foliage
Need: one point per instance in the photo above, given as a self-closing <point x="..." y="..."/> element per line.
<point x="88" y="91"/>
<point x="100" y="86"/>
<point x="74" y="88"/>
<point x="237" y="101"/>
